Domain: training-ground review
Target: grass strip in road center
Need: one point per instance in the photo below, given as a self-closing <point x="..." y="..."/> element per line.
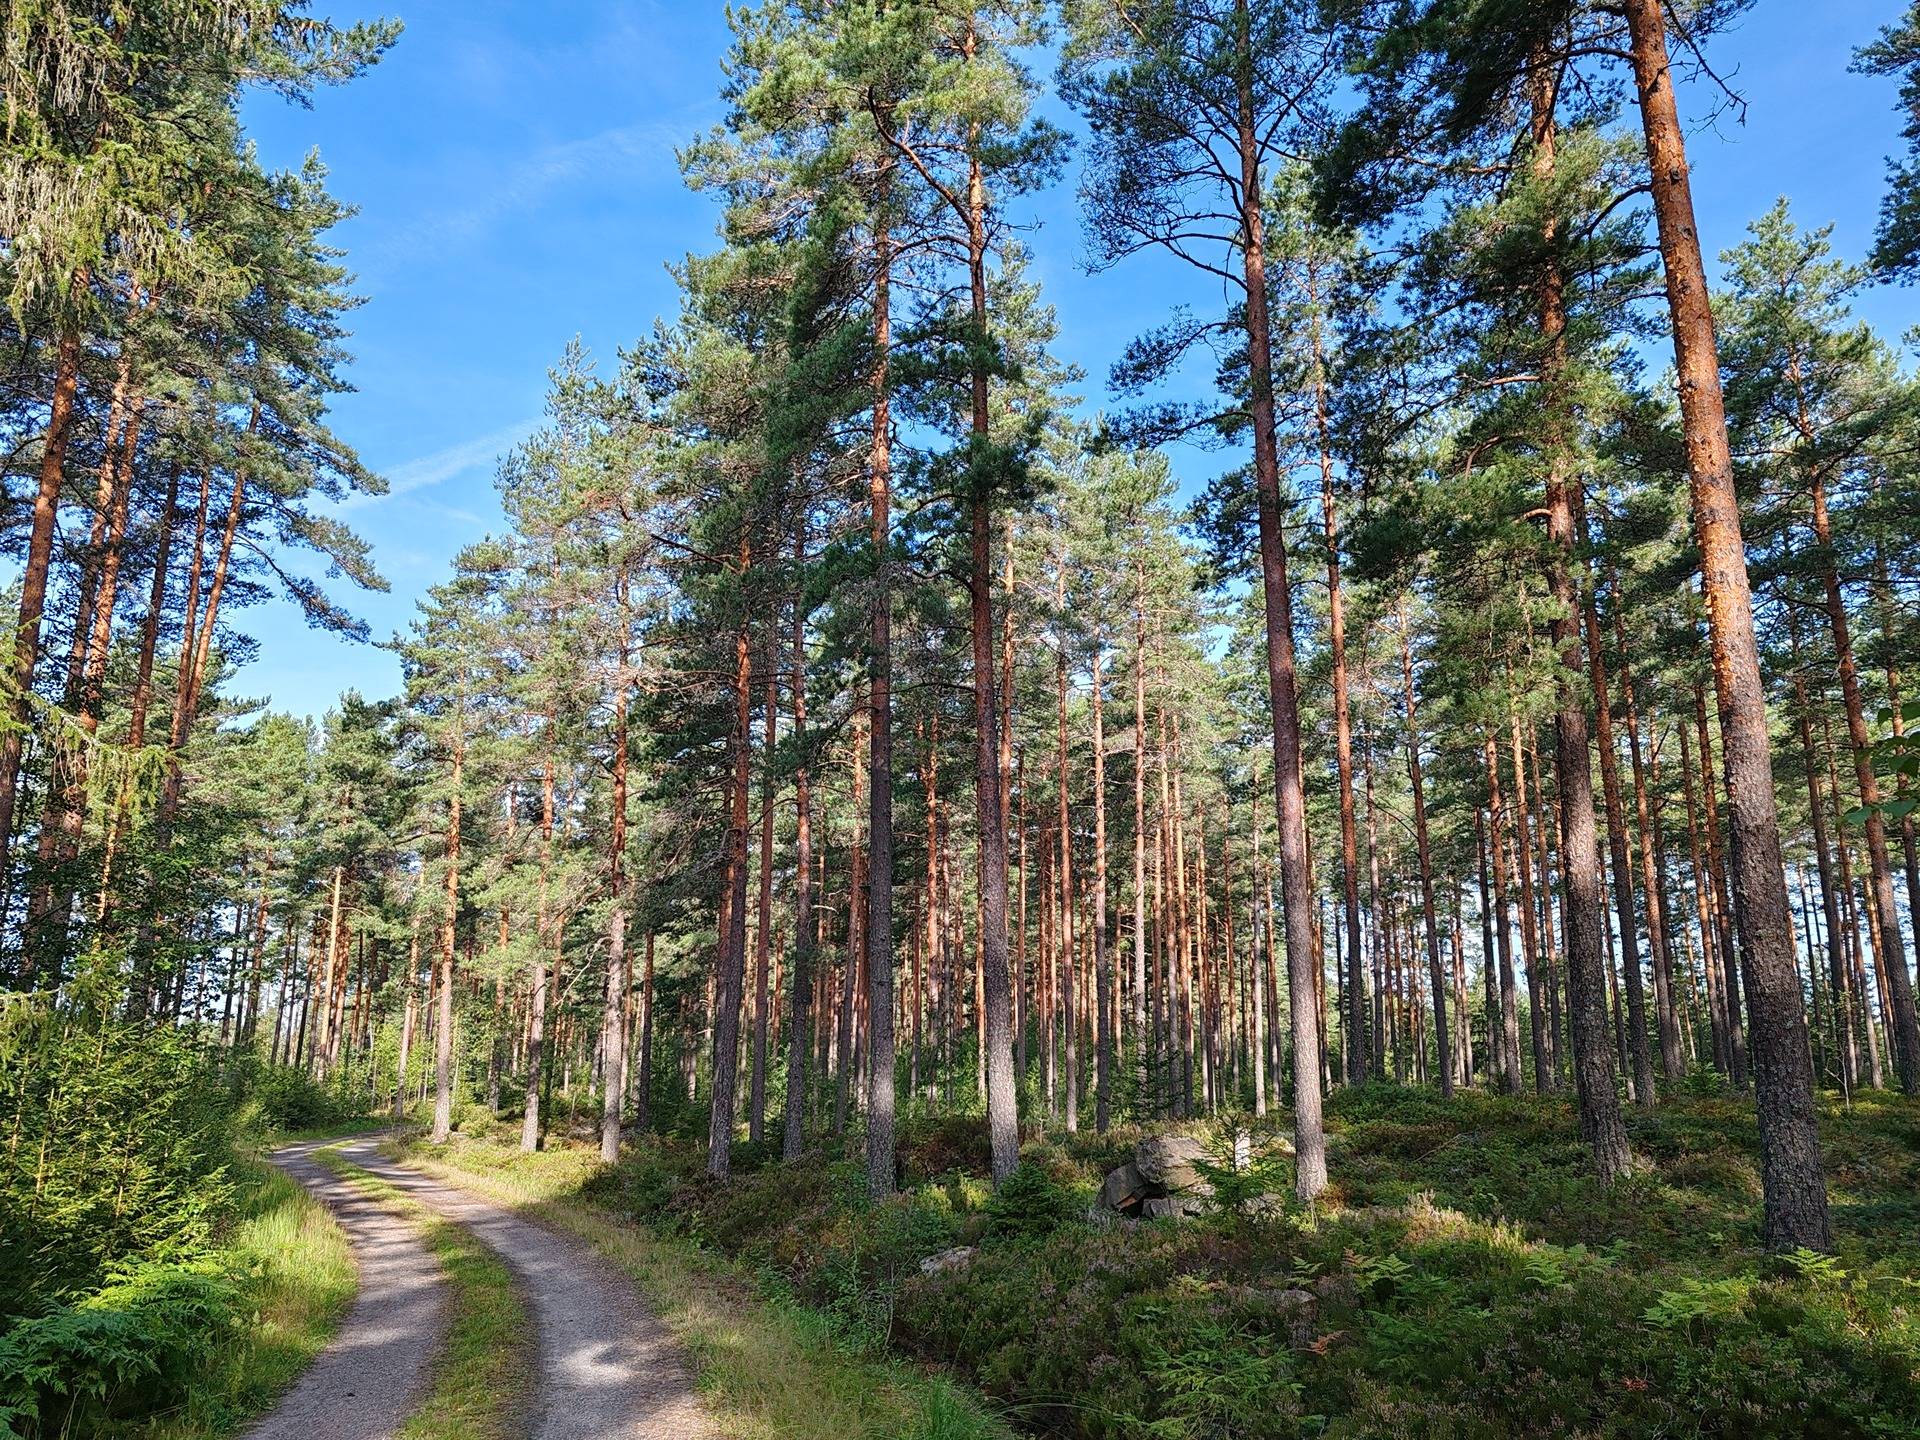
<point x="482" y="1381"/>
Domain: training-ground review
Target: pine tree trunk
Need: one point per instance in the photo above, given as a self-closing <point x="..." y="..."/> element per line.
<point x="1443" y="1049"/>
<point x="763" y="917"/>
<point x="443" y="1034"/>
<point x="1071" y="1058"/>
<point x="530" y="1128"/>
<point x="1723" y="918"/>
<point x="1355" y="1015"/>
<point x="733" y="931"/>
<point x="1795" y="1189"/>
<point x="793" y="1137"/>
<point x="1840" y="979"/>
<point x="1902" y="1026"/>
<point x="1003" y="1125"/>
<point x="1640" y="1058"/>
<point x="1593" y="1073"/>
<point x="881" y="1178"/>
<point x="33" y="582"/>
<point x="643" y="1084"/>
<point x="1102" y="958"/>
<point x="1511" y="1079"/>
<point x="1673" y="1063"/>
<point x="1296" y="885"/>
<point x="1142" y="1037"/>
<point x="613" y="1014"/>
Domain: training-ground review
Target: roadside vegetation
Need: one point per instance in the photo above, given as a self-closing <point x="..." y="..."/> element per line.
<point x="156" y="1277"/>
<point x="1468" y="1276"/>
<point x="768" y="1364"/>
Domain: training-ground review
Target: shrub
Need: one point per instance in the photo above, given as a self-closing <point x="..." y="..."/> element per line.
<point x="286" y="1098"/>
<point x="135" y="1342"/>
<point x="1030" y="1205"/>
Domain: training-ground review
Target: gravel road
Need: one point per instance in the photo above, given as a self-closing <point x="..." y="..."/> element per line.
<point x="366" y="1383"/>
<point x="608" y="1369"/>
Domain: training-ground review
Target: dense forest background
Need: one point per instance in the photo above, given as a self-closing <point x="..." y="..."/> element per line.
<point x="854" y="725"/>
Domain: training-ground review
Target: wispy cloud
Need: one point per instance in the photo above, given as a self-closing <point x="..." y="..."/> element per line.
<point x="426" y="471"/>
<point x="617" y="154"/>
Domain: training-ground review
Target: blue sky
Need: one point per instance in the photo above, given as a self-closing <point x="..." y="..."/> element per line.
<point x="513" y="166"/>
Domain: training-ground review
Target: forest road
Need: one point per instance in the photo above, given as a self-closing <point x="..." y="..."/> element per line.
<point x="373" y="1375"/>
<point x="608" y="1369"/>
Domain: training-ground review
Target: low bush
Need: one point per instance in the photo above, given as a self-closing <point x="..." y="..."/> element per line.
<point x="134" y="1345"/>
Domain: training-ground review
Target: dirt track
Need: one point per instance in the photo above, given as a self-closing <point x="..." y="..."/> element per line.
<point x="607" y="1366"/>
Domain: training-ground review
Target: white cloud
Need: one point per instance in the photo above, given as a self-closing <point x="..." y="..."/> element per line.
<point x="441" y="465"/>
<point x="617" y="154"/>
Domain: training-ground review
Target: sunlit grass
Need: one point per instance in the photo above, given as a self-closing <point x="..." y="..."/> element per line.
<point x="297" y="1276"/>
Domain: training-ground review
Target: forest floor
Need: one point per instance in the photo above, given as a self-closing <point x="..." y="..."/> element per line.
<point x="1464" y="1276"/>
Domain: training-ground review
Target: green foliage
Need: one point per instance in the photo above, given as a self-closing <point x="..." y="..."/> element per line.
<point x="133" y="1345"/>
<point x="120" y="1205"/>
<point x="123" y="1135"/>
<point x="1219" y="1380"/>
<point x="1030" y="1205"/>
<point x="287" y="1099"/>
<point x="1694" y="1300"/>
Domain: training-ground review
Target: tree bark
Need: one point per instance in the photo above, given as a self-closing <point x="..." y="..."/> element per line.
<point x="1102" y="958"/>
<point x="1003" y="1124"/>
<point x="793" y="1138"/>
<point x="733" y="928"/>
<point x="33" y="581"/>
<point x="1891" y="951"/>
<point x="1443" y="1050"/>
<point x="880" y="1095"/>
<point x="443" y="1034"/>
<point x="1511" y="1079"/>
<point x="1795" y="1189"/>
<point x="613" y="1017"/>
<point x="1296" y="888"/>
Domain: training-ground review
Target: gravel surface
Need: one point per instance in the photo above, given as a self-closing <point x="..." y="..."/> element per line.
<point x="608" y="1369"/>
<point x="366" y="1383"/>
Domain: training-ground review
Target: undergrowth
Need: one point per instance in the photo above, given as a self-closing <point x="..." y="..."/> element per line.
<point x="1465" y="1276"/>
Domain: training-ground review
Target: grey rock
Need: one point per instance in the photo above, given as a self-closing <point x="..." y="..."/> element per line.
<point x="1124" y="1189"/>
<point x="948" y="1259"/>
<point x="1297" y="1310"/>
<point x="1166" y="1163"/>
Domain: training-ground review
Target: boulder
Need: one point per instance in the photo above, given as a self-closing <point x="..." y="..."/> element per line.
<point x="1297" y="1309"/>
<point x="1166" y="1164"/>
<point x="948" y="1259"/>
<point x="1124" y="1189"/>
<point x="1176" y="1207"/>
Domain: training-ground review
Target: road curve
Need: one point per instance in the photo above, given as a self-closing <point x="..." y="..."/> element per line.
<point x="608" y="1369"/>
<point x="371" y="1378"/>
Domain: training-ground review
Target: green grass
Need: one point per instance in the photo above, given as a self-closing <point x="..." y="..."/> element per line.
<point x="296" y="1278"/>
<point x="484" y="1374"/>
<point x="768" y="1367"/>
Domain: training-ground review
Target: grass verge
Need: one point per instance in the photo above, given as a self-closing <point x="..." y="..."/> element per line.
<point x="484" y="1374"/>
<point x="768" y="1369"/>
<point x="295" y="1271"/>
